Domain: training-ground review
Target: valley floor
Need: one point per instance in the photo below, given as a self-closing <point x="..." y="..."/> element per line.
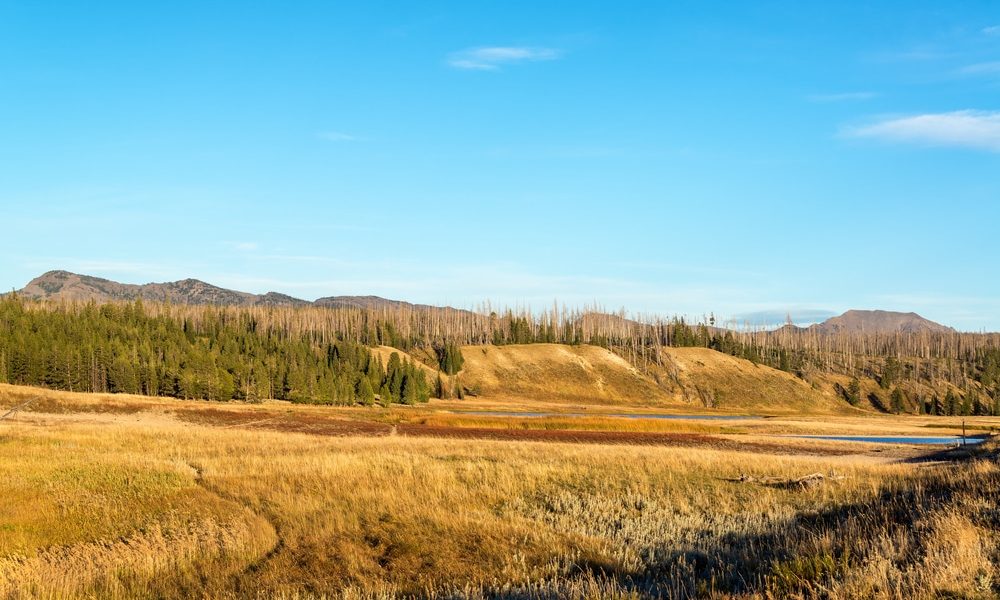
<point x="125" y="496"/>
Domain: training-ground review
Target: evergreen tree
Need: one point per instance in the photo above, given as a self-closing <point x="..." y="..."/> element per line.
<point x="897" y="400"/>
<point x="450" y="357"/>
<point x="394" y="376"/>
<point x="950" y="403"/>
<point x="365" y="393"/>
<point x="976" y="406"/>
<point x="440" y="390"/>
<point x="408" y="390"/>
<point x="854" y="392"/>
<point x="890" y="372"/>
<point x="965" y="405"/>
<point x="385" y="395"/>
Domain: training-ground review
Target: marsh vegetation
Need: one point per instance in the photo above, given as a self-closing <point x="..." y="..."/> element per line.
<point x="125" y="499"/>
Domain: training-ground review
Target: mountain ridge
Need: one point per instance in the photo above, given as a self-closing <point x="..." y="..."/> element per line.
<point x="65" y="285"/>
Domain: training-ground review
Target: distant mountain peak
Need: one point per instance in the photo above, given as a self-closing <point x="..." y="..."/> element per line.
<point x="879" y="321"/>
<point x="64" y="285"/>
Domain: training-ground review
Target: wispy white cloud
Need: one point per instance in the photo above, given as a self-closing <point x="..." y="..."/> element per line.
<point x="992" y="30"/>
<point x="916" y="54"/>
<point x="491" y="58"/>
<point x="984" y="68"/>
<point x="842" y="97"/>
<point x="776" y="317"/>
<point x="244" y="246"/>
<point x="965" y="128"/>
<point x="339" y="136"/>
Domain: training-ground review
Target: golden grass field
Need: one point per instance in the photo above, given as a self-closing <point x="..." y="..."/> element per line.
<point x="132" y="497"/>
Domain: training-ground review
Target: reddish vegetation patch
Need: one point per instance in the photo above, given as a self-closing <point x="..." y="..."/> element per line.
<point x="295" y="422"/>
<point x="693" y="440"/>
<point x="319" y="425"/>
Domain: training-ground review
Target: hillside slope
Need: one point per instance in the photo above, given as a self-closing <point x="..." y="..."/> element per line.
<point x="691" y="379"/>
<point x="710" y="379"/>
<point x="556" y="373"/>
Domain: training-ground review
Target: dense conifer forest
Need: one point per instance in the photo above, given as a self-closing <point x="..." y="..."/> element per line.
<point x="316" y="354"/>
<point x="214" y="354"/>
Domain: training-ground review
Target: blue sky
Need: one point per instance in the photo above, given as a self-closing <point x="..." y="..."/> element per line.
<point x="745" y="159"/>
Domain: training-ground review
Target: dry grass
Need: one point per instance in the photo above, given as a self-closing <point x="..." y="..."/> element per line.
<point x="705" y="377"/>
<point x="142" y="504"/>
<point x="691" y="378"/>
<point x="571" y="423"/>
<point x="557" y="373"/>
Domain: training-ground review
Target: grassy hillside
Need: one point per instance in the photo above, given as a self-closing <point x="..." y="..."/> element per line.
<point x="556" y="373"/>
<point x="691" y="378"/>
<point x="710" y="379"/>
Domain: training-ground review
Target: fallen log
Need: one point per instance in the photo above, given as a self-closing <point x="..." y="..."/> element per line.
<point x="806" y="481"/>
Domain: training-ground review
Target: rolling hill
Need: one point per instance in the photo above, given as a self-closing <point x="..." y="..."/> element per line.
<point x="691" y="379"/>
<point x="556" y="373"/>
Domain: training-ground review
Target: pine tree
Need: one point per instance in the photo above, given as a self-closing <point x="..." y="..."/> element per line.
<point x="440" y="390"/>
<point x="385" y="395"/>
<point x="890" y="372"/>
<point x="854" y="392"/>
<point x="394" y="375"/>
<point x="365" y="393"/>
<point x="950" y="403"/>
<point x="409" y="390"/>
<point x="450" y="357"/>
<point x="897" y="400"/>
<point x="965" y="405"/>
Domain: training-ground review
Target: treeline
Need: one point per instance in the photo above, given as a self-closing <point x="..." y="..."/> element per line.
<point x="963" y="370"/>
<point x="285" y="352"/>
<point x="221" y="355"/>
<point x="968" y="402"/>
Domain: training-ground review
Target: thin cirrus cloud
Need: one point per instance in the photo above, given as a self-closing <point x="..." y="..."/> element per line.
<point x="842" y="97"/>
<point x="993" y="30"/>
<point x="492" y="58"/>
<point x="985" y="68"/>
<point x="338" y="136"/>
<point x="974" y="129"/>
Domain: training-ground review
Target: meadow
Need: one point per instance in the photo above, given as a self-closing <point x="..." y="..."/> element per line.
<point x="131" y="497"/>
